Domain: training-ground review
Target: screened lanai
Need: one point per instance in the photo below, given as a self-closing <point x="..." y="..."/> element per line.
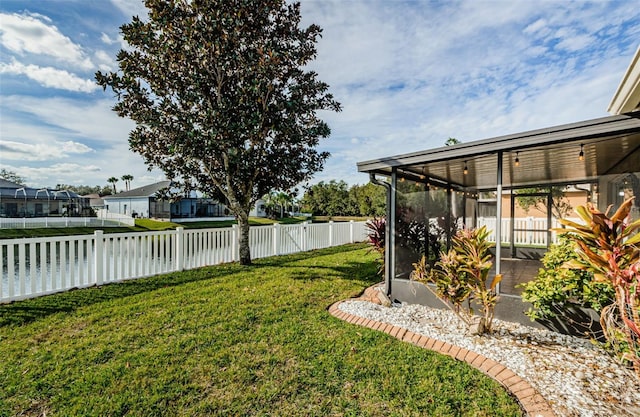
<point x="433" y="192"/>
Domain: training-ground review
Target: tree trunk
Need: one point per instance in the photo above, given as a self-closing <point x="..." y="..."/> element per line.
<point x="243" y="239"/>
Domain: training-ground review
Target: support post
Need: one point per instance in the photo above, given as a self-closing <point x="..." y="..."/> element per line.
<point x="98" y="261"/>
<point x="447" y="220"/>
<point x="549" y="205"/>
<point x="389" y="230"/>
<point x="499" y="219"/>
<point x="235" y="247"/>
<point x="390" y="250"/>
<point x="513" y="225"/>
<point x="276" y="239"/>
<point x="303" y="237"/>
<point x="330" y="233"/>
<point x="351" y="237"/>
<point x="179" y="248"/>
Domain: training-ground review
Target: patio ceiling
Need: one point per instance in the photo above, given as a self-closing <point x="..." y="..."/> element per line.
<point x="611" y="145"/>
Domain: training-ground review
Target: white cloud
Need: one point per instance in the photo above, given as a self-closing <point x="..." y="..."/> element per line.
<point x="104" y="60"/>
<point x="72" y="118"/>
<point x="535" y="26"/>
<point x="33" y="33"/>
<point x="131" y="8"/>
<point x="49" y="77"/>
<point x="106" y="39"/>
<point x="20" y="151"/>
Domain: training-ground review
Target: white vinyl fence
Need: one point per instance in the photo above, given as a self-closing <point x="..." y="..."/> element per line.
<point x="39" y="222"/>
<point x="527" y="230"/>
<point x="37" y="266"/>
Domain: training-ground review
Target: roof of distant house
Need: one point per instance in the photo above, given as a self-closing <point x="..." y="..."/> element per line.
<point x="149" y="190"/>
<point x="9" y="184"/>
<point x="9" y="189"/>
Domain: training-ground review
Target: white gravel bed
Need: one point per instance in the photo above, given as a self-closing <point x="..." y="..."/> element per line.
<point x="576" y="377"/>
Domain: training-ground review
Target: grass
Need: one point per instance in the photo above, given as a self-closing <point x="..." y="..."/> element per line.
<point x="228" y="340"/>
<point x="142" y="225"/>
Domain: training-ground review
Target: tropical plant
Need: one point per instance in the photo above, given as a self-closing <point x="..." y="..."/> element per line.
<point x="556" y="290"/>
<point x="460" y="277"/>
<point x="609" y="248"/>
<point x="376" y="234"/>
<point x="223" y="98"/>
<point x="113" y="181"/>
<point x="127" y="178"/>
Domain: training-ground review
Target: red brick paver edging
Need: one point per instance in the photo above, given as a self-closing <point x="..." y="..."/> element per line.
<point x="530" y="399"/>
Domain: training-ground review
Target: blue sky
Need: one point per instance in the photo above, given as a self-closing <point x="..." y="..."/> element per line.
<point x="409" y="74"/>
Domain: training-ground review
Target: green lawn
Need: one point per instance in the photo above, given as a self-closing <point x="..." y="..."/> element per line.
<point x="228" y="341"/>
<point x="142" y="225"/>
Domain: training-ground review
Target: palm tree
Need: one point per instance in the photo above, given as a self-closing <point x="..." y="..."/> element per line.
<point x="113" y="181"/>
<point x="127" y="180"/>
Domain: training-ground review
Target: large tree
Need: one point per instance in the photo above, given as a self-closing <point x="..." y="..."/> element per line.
<point x="222" y="97"/>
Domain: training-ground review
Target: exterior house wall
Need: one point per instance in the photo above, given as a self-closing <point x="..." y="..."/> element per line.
<point x="259" y="209"/>
<point x="133" y="206"/>
<point x="575" y="199"/>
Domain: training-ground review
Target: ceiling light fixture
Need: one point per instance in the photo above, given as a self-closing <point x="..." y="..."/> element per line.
<point x="581" y="155"/>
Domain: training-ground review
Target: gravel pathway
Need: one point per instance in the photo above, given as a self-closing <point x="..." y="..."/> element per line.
<point x="577" y="378"/>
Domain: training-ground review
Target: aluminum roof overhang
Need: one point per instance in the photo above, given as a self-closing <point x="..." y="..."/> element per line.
<point x="627" y="96"/>
<point x="547" y="156"/>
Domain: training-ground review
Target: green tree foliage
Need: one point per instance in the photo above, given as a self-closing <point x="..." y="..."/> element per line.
<point x="85" y="189"/>
<point x="12" y="176"/>
<point x="368" y="200"/>
<point x="452" y="141"/>
<point x="222" y="97"/>
<point x="327" y="198"/>
<point x="560" y="206"/>
<point x="277" y="202"/>
<point x="336" y="198"/>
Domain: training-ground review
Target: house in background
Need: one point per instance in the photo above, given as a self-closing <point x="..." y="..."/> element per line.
<point x="146" y="202"/>
<point x="20" y="201"/>
<point x="259" y="209"/>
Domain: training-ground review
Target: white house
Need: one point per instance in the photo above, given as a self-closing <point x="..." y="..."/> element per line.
<point x="146" y="202"/>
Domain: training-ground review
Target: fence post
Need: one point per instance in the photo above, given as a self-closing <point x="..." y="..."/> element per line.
<point x="234" y="243"/>
<point x="98" y="256"/>
<point x="276" y="239"/>
<point x="530" y="230"/>
<point x="330" y="233"/>
<point x="179" y="248"/>
<point x="351" y="239"/>
<point x="303" y="237"/>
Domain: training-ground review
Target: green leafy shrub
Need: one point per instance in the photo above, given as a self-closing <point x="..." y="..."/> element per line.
<point x="460" y="276"/>
<point x="555" y="289"/>
<point x="609" y="247"/>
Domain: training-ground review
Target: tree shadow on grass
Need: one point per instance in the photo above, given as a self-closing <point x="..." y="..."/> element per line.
<point x="27" y="311"/>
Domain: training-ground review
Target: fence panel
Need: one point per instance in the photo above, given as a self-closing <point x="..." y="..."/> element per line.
<point x="38" y="266"/>
<point x="527" y="230"/>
